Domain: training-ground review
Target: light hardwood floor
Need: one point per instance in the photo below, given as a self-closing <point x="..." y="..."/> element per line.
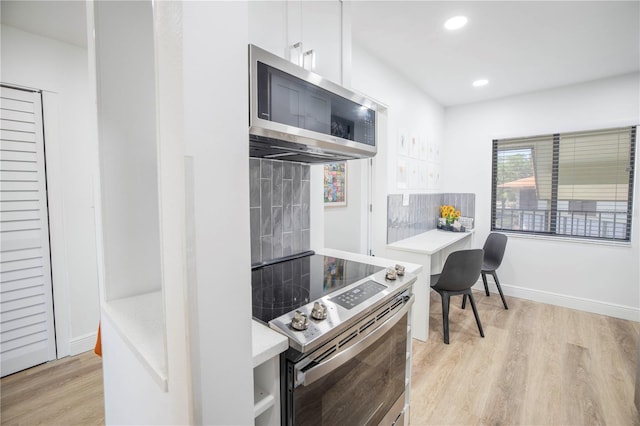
<point x="63" y="392"/>
<point x="538" y="365"/>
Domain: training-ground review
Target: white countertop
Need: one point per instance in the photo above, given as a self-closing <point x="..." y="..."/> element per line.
<point x="267" y="343"/>
<point x="414" y="268"/>
<point x="429" y="242"/>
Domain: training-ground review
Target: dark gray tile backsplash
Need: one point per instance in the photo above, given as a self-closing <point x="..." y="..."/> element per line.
<point x="422" y="213"/>
<point x="280" y="213"/>
<point x="254" y="182"/>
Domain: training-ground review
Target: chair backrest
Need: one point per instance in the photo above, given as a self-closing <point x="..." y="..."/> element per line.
<point x="461" y="270"/>
<point x="494" y="248"/>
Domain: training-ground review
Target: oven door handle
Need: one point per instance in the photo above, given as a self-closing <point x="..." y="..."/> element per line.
<point x="325" y="367"/>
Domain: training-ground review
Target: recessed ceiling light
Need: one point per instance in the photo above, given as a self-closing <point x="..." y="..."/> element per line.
<point x="455" y="22"/>
<point x="480" y="83"/>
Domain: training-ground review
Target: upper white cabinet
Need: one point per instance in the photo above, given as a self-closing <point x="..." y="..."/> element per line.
<point x="306" y="32"/>
<point x="320" y="26"/>
<point x="268" y="26"/>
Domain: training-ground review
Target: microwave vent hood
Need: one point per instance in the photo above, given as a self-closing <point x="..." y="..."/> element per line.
<point x="297" y="115"/>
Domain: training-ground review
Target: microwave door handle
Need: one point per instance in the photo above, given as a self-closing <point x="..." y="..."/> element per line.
<point x="325" y="367"/>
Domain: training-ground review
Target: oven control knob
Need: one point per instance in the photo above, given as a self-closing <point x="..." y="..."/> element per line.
<point x="319" y="311"/>
<point x="299" y="321"/>
<point x="391" y="274"/>
<point x="399" y="270"/>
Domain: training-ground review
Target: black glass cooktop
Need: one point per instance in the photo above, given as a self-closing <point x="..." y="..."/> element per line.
<point x="284" y="287"/>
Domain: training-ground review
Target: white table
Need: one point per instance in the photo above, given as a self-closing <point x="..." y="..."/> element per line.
<point x="430" y="249"/>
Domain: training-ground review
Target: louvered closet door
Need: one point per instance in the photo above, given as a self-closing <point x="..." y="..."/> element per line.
<point x="27" y="336"/>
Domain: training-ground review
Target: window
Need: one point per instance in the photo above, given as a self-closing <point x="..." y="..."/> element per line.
<point x="571" y="184"/>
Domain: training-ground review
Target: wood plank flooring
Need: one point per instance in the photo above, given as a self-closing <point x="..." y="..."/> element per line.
<point x="67" y="391"/>
<point x="537" y="365"/>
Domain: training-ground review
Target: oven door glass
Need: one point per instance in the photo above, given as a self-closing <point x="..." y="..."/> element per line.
<point x="361" y="391"/>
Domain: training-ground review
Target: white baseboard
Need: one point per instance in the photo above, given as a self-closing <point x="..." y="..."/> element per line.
<point x="82" y="344"/>
<point x="573" y="302"/>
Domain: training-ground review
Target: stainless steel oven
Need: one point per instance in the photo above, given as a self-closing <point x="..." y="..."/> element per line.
<point x="347" y="324"/>
<point x="357" y="378"/>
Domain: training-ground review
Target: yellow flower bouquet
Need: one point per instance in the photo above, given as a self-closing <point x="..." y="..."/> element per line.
<point x="449" y="215"/>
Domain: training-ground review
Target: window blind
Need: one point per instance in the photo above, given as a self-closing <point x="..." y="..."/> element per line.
<point x="577" y="184"/>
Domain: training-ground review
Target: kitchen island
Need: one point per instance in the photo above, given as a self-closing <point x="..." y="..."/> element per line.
<point x="429" y="249"/>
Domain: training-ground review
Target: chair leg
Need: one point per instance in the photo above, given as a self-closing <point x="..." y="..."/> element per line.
<point x="475" y="313"/>
<point x="495" y="278"/>
<point x="445" y="316"/>
<point x="464" y="301"/>
<point x="484" y="281"/>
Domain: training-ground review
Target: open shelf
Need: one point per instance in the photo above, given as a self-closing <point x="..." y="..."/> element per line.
<point x="130" y="211"/>
<point x="262" y="401"/>
<point x="140" y="323"/>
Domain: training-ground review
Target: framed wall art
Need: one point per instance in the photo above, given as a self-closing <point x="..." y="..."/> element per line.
<point x="335" y="184"/>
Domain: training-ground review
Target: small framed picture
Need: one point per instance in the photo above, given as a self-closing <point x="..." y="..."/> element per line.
<point x="335" y="184"/>
<point x="403" y="143"/>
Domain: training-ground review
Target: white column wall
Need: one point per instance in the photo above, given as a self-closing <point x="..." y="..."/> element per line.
<point x="216" y="137"/>
<point x="593" y="277"/>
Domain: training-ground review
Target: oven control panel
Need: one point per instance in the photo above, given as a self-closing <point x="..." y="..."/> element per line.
<point x="357" y="295"/>
<point x="310" y="325"/>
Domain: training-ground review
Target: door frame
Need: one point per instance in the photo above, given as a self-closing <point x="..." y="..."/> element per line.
<point x="59" y="261"/>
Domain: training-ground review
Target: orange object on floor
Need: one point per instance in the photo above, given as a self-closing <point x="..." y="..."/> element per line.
<point x="98" y="348"/>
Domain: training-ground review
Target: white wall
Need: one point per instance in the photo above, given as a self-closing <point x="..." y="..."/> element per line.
<point x="594" y="277"/>
<point x="60" y="69"/>
<point x="343" y="225"/>
<point x="408" y="108"/>
<point x="216" y="111"/>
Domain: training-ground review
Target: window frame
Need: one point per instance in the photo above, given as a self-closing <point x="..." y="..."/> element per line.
<point x="553" y="211"/>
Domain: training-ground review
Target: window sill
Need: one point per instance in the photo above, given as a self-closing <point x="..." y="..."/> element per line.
<point x="562" y="239"/>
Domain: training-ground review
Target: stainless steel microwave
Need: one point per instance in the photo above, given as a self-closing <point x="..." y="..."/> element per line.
<point x="297" y="115"/>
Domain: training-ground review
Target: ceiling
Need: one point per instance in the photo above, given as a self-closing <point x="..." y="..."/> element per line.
<point x="519" y="46"/>
<point x="61" y="20"/>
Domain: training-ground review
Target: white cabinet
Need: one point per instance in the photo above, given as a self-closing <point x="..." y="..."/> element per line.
<point x="315" y="27"/>
<point x="268" y="26"/>
<point x="267" y="346"/>
<point x="320" y="26"/>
